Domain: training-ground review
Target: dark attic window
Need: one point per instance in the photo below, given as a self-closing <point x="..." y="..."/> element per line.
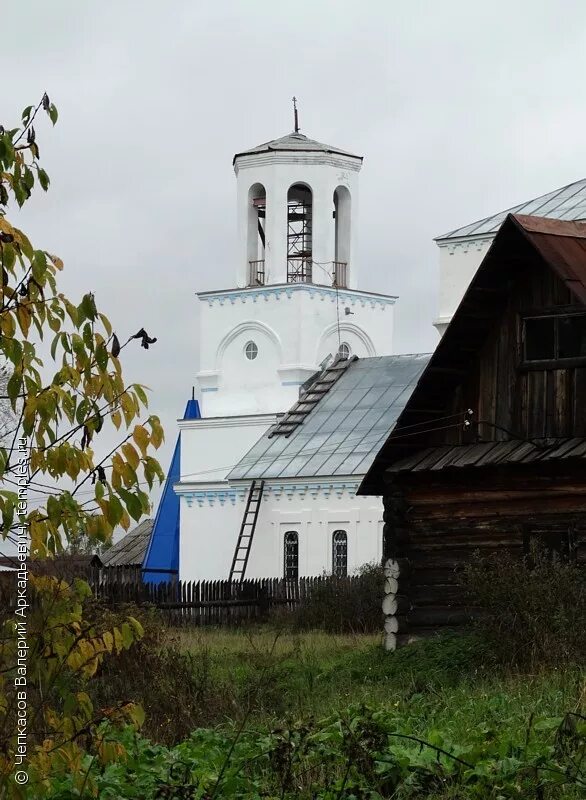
<point x="554" y="338"/>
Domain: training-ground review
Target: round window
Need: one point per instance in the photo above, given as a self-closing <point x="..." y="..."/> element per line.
<point x="251" y="351"/>
<point x="344" y="350"/>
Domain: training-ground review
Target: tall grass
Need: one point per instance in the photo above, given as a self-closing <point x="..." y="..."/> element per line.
<point x="534" y="609"/>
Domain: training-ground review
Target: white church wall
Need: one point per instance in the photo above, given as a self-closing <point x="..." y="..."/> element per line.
<point x="210" y="521"/>
<point x="211" y="518"/>
<point x="458" y="264"/>
<point x="293" y="327"/>
<point x="210" y="447"/>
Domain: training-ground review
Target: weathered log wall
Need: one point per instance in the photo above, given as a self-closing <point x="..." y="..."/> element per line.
<point x="436" y="524"/>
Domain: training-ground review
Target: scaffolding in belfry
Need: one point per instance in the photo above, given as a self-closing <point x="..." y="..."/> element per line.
<point x="299" y="229"/>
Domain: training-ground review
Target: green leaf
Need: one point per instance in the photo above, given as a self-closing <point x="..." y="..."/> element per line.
<point x="9" y="254"/>
<point x="19" y="193"/>
<point x="88" y="306"/>
<point x="26" y="115"/>
<point x="132" y="503"/>
<point x="127" y="635"/>
<point x="53" y="113"/>
<point x="14" y="385"/>
<point x="39" y="265"/>
<point x="29" y="178"/>
<point x="141" y="394"/>
<point x="13" y="350"/>
<point x="53" y="510"/>
<point x="115" y="511"/>
<point x="102" y="357"/>
<point x="43" y="179"/>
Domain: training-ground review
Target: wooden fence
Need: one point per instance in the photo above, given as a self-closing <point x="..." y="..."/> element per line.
<point x="195" y="603"/>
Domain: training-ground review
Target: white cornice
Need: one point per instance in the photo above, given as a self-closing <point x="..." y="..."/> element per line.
<point x="286" y="291"/>
<point x="465" y="244"/>
<point x="222" y="492"/>
<point x="250" y="420"/>
<point x="318" y="158"/>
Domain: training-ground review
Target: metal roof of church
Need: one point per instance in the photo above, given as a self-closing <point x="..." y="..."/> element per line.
<point x="343" y="432"/>
<point x="295" y="141"/>
<point x="567" y="203"/>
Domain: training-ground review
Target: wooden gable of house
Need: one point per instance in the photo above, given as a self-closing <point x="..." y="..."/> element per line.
<point x="533" y="276"/>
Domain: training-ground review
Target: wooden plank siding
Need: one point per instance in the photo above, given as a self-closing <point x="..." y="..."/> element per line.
<point x="529" y="401"/>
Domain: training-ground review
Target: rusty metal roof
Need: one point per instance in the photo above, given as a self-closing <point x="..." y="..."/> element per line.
<point x="485" y="454"/>
<point x="562" y="245"/>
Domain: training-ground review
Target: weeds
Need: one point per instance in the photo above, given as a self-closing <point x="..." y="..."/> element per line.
<point x="534" y="609"/>
<point x="341" y="606"/>
<point x="361" y="752"/>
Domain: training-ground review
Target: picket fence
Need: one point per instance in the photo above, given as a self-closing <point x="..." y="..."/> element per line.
<point x="196" y="602"/>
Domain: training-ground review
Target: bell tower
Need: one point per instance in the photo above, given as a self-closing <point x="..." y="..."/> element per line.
<point x="297" y="206"/>
<point x="296" y="299"/>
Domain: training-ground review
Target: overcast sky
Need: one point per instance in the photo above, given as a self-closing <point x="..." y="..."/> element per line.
<point x="461" y="109"/>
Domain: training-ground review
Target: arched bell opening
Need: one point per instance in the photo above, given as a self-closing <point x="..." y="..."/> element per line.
<point x="299" y="233"/>
<point x="342" y="214"/>
<point x="255" y="247"/>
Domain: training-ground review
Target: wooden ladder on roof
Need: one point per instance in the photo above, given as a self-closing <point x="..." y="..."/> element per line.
<point x="247" y="529"/>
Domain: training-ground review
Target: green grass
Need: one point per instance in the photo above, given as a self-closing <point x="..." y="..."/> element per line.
<point x="449" y="681"/>
<point x="268" y="713"/>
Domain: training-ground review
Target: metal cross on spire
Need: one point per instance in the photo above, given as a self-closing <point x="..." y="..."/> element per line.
<point x="295" y="115"/>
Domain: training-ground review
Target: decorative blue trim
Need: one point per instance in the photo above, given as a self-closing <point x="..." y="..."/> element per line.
<point x="277" y="490"/>
<point x="291" y="490"/>
<point x="348" y="296"/>
<point x="210" y="496"/>
<point x="291" y="383"/>
<point x="210" y="389"/>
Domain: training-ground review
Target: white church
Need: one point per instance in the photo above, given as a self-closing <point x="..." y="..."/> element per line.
<point x="298" y="386"/>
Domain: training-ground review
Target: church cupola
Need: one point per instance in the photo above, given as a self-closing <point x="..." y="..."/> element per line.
<point x="297" y="203"/>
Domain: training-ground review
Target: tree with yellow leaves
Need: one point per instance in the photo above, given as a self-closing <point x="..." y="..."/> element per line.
<point x="60" y="408"/>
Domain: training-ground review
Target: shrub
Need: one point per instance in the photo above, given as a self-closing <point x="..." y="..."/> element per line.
<point x="344" y="605"/>
<point x="175" y="688"/>
<point x="534" y="610"/>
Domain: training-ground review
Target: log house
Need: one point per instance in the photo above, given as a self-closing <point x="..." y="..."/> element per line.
<point x="489" y="453"/>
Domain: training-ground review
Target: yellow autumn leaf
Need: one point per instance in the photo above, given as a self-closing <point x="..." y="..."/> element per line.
<point x="131" y="455"/>
<point x="24" y="319"/>
<point x="142" y="438"/>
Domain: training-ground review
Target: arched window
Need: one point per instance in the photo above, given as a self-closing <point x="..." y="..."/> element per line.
<point x="340" y="554"/>
<point x="291" y="555"/>
<point x="344" y="350"/>
<point x="255" y="246"/>
<point x="299" y="234"/>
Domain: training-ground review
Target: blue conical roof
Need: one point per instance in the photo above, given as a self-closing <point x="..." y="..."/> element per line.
<point x="161" y="562"/>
